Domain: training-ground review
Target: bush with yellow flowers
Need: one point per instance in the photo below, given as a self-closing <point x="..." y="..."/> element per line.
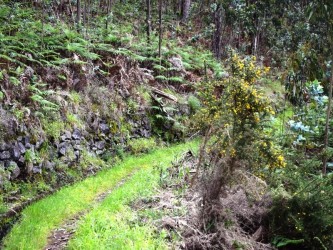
<point x="235" y="115"/>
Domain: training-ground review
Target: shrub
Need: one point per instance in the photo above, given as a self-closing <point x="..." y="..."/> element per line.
<point x="142" y="145"/>
<point x="193" y="103"/>
<point x="235" y="114"/>
<point x="303" y="214"/>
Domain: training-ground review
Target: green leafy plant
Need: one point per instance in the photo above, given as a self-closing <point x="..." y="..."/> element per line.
<point x="193" y="103"/>
<point x="302" y="214"/>
<point x="142" y="145"/>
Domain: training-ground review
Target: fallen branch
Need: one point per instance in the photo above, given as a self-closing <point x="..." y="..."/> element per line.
<point x="163" y="94"/>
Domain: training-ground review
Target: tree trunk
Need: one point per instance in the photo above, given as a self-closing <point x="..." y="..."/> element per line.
<point x="328" y="114"/>
<point x="186" y="6"/>
<point x="85" y="13"/>
<point x="160" y="29"/>
<point x="217" y="35"/>
<point x="78" y="15"/>
<point x="148" y="20"/>
<point x="108" y="10"/>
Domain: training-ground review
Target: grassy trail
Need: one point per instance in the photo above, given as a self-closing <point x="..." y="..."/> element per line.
<point x="41" y="218"/>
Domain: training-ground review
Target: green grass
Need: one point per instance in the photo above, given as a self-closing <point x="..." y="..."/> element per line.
<point x="39" y="219"/>
<point x="113" y="225"/>
<point x="280" y="120"/>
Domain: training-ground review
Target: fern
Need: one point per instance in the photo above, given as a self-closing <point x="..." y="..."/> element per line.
<point x="162" y="78"/>
<point x="45" y="103"/>
<point x="13" y="80"/>
<point x="159" y="67"/>
<point x="176" y="79"/>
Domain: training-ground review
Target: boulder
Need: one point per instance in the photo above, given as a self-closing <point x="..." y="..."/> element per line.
<point x="14" y="170"/>
<point x="37" y="170"/>
<point x="26" y="140"/>
<point x="66" y="136"/>
<point x="4" y="146"/>
<point x="100" y="145"/>
<point x="29" y="166"/>
<point x="47" y="165"/>
<point x="76" y="134"/>
<point x="77" y="155"/>
<point x="104" y="128"/>
<point x="39" y="144"/>
<point x="21" y="161"/>
<point x="4" y="155"/>
<point x="178" y="65"/>
<point x="21" y="147"/>
<point x="78" y="147"/>
<point x="2" y="166"/>
<point x="63" y="147"/>
<point x="15" y="152"/>
<point x="100" y="152"/>
<point x="76" y="142"/>
<point x="62" y="151"/>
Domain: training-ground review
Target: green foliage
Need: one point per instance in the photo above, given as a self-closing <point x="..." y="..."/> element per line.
<point x="74" y="121"/>
<point x="142" y="145"/>
<point x="235" y="114"/>
<point x="31" y="156"/>
<point x="76" y="97"/>
<point x="193" y="103"/>
<point x="307" y="124"/>
<point x="165" y="121"/>
<point x="3" y="207"/>
<point x="40" y="96"/>
<point x="89" y="160"/>
<point x="302" y="196"/>
<point x="53" y="129"/>
<point x="280" y="241"/>
<point x="78" y="198"/>
<point x="304" y="212"/>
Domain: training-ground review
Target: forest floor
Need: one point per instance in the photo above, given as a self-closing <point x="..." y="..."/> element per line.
<point x="95" y="213"/>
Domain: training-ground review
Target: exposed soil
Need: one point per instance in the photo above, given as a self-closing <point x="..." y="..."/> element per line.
<point x="60" y="236"/>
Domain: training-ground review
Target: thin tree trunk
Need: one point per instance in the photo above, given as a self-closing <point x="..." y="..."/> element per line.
<point x="217" y="35"/>
<point x="109" y="5"/>
<point x="160" y="30"/>
<point x="148" y="21"/>
<point x="43" y="21"/>
<point x="78" y="15"/>
<point x="328" y="114"/>
<point x="85" y="13"/>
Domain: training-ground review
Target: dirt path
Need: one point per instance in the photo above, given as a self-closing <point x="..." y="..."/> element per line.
<point x="59" y="238"/>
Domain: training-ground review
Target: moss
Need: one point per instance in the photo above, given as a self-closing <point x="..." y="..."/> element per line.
<point x="88" y="159"/>
<point x="3" y="206"/>
<point x="53" y="129"/>
<point x="76" y="97"/>
<point x="74" y="121"/>
<point x="113" y="127"/>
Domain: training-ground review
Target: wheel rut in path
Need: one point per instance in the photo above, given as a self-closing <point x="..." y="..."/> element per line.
<point x="59" y="238"/>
